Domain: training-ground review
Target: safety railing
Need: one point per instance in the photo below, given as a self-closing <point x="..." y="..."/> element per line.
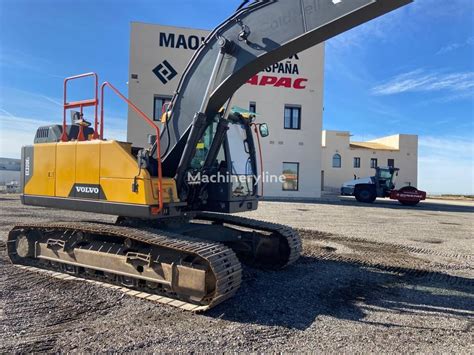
<point x="150" y="122"/>
<point x="81" y="104"/>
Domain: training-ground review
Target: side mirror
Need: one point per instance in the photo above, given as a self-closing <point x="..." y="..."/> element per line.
<point x="151" y="139"/>
<point x="142" y="158"/>
<point x="263" y="128"/>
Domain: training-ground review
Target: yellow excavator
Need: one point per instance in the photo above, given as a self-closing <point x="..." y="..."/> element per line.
<point x="175" y="240"/>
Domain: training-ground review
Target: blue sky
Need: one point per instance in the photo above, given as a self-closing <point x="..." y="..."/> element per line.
<point x="411" y="71"/>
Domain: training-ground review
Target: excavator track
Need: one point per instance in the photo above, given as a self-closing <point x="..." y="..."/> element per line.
<point x="167" y="274"/>
<point x="276" y="232"/>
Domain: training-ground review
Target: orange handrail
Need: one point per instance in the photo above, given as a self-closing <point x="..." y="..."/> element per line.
<point x="80" y="104"/>
<point x="147" y="120"/>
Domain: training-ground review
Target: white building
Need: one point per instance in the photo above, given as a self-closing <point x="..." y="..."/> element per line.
<point x="9" y="174"/>
<point x="288" y="96"/>
<point x="342" y="160"/>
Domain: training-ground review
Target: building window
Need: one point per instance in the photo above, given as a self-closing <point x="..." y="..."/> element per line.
<point x="373" y="163"/>
<point x="356" y="162"/>
<point x="336" y="161"/>
<point x="292" y="117"/>
<point x="158" y="106"/>
<point x="253" y="107"/>
<point x="391" y="163"/>
<point x="291" y="173"/>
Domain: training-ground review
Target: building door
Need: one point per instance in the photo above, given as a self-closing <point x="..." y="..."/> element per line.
<point x="322" y="180"/>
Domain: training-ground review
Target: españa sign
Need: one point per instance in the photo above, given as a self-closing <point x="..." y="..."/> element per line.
<point x="285" y="74"/>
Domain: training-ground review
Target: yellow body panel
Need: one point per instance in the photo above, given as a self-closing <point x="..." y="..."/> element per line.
<point x="65" y="168"/>
<point x="87" y="162"/>
<point x="42" y="181"/>
<point x="59" y="168"/>
<point x="119" y="190"/>
<point x="117" y="162"/>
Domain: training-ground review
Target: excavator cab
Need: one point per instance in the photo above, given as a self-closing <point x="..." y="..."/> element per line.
<point x="222" y="175"/>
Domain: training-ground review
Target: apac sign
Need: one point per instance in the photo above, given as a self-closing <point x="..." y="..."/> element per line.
<point x="287" y="68"/>
<point x="285" y="82"/>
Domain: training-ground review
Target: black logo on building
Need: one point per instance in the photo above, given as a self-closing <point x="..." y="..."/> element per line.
<point x="165" y="72"/>
<point x="180" y="41"/>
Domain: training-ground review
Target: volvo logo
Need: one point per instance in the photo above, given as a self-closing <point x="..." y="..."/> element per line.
<point x="87" y="190"/>
<point x="165" y="72"/>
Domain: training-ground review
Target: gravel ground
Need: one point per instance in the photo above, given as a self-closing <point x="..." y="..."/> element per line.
<point x="371" y="279"/>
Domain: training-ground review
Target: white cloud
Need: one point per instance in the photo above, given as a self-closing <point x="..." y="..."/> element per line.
<point x="436" y="9"/>
<point x="50" y="99"/>
<point x="14" y="59"/>
<point x="379" y="29"/>
<point x="23" y="103"/>
<point x="16" y="132"/>
<point x="407" y="18"/>
<point x="446" y="165"/>
<point x="22" y="112"/>
<point x="422" y="81"/>
<point x="447" y="147"/>
<point x="454" y="46"/>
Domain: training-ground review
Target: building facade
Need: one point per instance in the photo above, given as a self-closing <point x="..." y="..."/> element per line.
<point x="343" y="160"/>
<point x="9" y="174"/>
<point x="288" y="96"/>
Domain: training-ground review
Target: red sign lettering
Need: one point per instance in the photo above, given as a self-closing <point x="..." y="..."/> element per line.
<point x="299" y="83"/>
<point x="286" y="82"/>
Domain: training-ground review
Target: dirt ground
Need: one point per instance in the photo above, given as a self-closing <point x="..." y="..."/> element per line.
<point x="380" y="278"/>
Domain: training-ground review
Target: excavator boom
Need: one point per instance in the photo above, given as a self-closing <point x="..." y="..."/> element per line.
<point x="255" y="37"/>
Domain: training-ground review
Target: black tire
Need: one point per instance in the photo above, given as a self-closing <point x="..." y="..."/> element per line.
<point x="409" y="203"/>
<point x="365" y="194"/>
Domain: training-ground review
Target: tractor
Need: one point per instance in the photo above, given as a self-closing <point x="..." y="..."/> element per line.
<point x="366" y="190"/>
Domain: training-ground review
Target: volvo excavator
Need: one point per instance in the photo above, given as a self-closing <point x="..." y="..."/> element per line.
<point x="175" y="240"/>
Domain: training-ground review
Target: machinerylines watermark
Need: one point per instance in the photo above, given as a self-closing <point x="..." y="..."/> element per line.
<point x="202" y="178"/>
